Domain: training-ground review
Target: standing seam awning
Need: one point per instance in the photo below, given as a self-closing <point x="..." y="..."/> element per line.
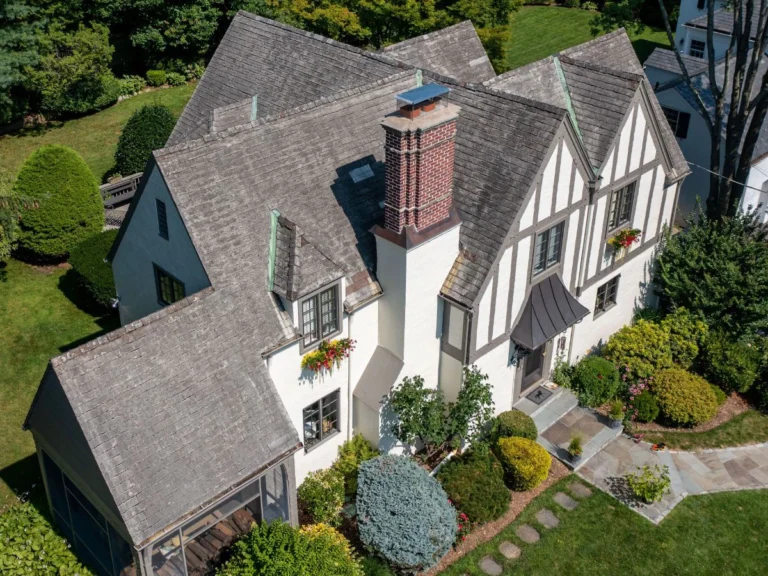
<point x="549" y="310"/>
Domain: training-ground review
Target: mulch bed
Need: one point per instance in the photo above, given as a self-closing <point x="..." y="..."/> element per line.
<point x="731" y="408"/>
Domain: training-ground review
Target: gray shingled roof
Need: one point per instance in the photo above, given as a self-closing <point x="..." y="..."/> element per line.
<point x="665" y="59"/>
<point x="537" y="81"/>
<point x="723" y="22"/>
<point x="455" y="52"/>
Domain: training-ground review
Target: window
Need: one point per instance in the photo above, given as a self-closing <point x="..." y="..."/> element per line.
<point x="546" y="252"/>
<point x="621" y="206"/>
<point x="162" y="219"/>
<point x="697" y="48"/>
<point x="169" y="289"/>
<point x="700" y="4"/>
<point x="321" y="420"/>
<point x="606" y="295"/>
<point x="320" y="315"/>
<point x="678" y="121"/>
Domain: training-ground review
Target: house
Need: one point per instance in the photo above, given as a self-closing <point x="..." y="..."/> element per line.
<point x="683" y="114"/>
<point x="316" y="191"/>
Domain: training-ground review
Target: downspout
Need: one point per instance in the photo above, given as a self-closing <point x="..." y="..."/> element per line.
<point x="350" y="398"/>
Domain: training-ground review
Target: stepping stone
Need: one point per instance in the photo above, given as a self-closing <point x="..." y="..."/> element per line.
<point x="547" y="518"/>
<point x="579" y="490"/>
<point x="565" y="501"/>
<point x="509" y="550"/>
<point x="527" y="534"/>
<point x="489" y="566"/>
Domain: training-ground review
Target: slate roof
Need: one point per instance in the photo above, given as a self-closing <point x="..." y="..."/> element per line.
<point x="723" y="22"/>
<point x="537" y="81"/>
<point x="665" y="59"/>
<point x="455" y="51"/>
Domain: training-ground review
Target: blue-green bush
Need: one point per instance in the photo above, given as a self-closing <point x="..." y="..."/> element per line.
<point x="403" y="514"/>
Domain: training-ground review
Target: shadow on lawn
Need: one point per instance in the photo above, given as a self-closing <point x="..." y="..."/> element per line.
<point x="106" y="318"/>
<point x="643" y="47"/>
<point x="24" y="479"/>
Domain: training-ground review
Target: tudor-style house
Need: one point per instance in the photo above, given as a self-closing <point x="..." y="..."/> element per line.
<point x="410" y="200"/>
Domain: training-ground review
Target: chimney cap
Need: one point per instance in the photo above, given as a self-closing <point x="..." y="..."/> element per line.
<point x="422" y="94"/>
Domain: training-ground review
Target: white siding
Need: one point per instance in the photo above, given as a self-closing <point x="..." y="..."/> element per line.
<point x="669" y="205"/>
<point x="578" y="186"/>
<point x="502" y="293"/>
<point x="597" y="237"/>
<point x="650" y="149"/>
<point x="526" y="220"/>
<point x="521" y="275"/>
<point x="607" y="172"/>
<point x="643" y="194"/>
<point x="547" y="187"/>
<point x="484" y="317"/>
<point x="564" y="181"/>
<point x="623" y="148"/>
<point x="756" y="192"/>
<point x="637" y="141"/>
<point x="500" y="375"/>
<point x="656" y="198"/>
<point x="571" y="254"/>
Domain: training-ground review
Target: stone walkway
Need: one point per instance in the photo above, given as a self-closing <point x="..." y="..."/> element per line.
<point x="594" y="428"/>
<point x="690" y="472"/>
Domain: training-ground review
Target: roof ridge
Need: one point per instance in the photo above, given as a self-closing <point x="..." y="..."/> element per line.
<point x="601" y="69"/>
<point x="132" y="327"/>
<point x="515" y="71"/>
<point x="341" y="95"/>
<point x="409" y="41"/>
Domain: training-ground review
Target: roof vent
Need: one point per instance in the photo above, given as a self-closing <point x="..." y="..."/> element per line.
<point x="421" y="99"/>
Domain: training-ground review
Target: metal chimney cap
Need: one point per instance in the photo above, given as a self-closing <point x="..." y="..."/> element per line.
<point x="422" y="94"/>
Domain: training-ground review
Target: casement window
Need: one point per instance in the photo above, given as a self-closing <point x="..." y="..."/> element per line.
<point x="606" y="295"/>
<point x="169" y="289"/>
<point x="320" y="316"/>
<point x="547" y="249"/>
<point x="697" y="48"/>
<point x="700" y="4"/>
<point x="620" y="211"/>
<point x="321" y="420"/>
<point x="678" y="121"/>
<point x="162" y="219"/>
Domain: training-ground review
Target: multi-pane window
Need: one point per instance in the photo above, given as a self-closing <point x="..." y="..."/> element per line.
<point x="606" y="295"/>
<point x="169" y="289"/>
<point x="320" y="315"/>
<point x="162" y="219"/>
<point x="321" y="420"/>
<point x="697" y="48"/>
<point x="549" y="245"/>
<point x="678" y="121"/>
<point x="621" y="206"/>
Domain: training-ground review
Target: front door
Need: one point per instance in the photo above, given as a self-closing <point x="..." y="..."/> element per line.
<point x="533" y="369"/>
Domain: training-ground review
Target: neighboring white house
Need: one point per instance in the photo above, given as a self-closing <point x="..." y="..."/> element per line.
<point x="410" y="200"/>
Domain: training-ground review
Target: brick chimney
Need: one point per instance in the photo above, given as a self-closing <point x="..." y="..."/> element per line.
<point x="419" y="159"/>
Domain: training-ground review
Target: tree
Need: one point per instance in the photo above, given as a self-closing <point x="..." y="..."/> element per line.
<point x="420" y="412"/>
<point x="485" y="13"/>
<point x="495" y="41"/>
<point x="146" y="130"/>
<point x="469" y="416"/>
<point x="18" y="49"/>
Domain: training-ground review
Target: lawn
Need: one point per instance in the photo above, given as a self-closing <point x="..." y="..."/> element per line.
<point x="540" y="31"/>
<point x="715" y="534"/>
<point x="751" y="427"/>
<point x="38" y="321"/>
<point x="95" y="136"/>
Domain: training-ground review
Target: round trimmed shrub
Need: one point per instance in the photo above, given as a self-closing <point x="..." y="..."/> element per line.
<point x="156" y="77"/>
<point x="474" y="482"/>
<point x="514" y="423"/>
<point x="730" y="364"/>
<point x="643" y="348"/>
<point x="146" y="130"/>
<point x="646" y="407"/>
<point x="277" y="549"/>
<point x="685" y="399"/>
<point x="525" y="463"/>
<point x="351" y="454"/>
<point x="595" y="380"/>
<point x="403" y="514"/>
<point x="322" y="496"/>
<point x="93" y="273"/>
<point x="69" y="206"/>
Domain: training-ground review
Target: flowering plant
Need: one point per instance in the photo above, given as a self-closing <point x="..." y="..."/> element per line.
<point x="463" y="526"/>
<point x="624" y="238"/>
<point x="328" y="355"/>
<point x="642" y="385"/>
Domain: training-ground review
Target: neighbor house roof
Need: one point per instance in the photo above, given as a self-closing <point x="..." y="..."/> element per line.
<point x="665" y="59"/>
<point x="455" y="51"/>
<point x="723" y="22"/>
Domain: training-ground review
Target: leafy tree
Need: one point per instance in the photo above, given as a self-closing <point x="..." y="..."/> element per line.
<point x="718" y="269"/>
<point x="495" y="43"/>
<point x="473" y="410"/>
<point x="420" y="412"/>
<point x="146" y="130"/>
<point x="485" y="13"/>
<point x="18" y="49"/>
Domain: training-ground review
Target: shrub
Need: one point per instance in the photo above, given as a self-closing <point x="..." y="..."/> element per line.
<point x="322" y="496"/>
<point x="176" y="79"/>
<point x="373" y="566"/>
<point x="146" y="130"/>
<point x="276" y="549"/>
<point x="130" y="85"/>
<point x="572" y="3"/>
<point x="351" y="454"/>
<point x="29" y="546"/>
<point x="759" y="394"/>
<point x="616" y="411"/>
<point x="649" y="484"/>
<point x="595" y="380"/>
<point x="562" y="374"/>
<point x="686" y="334"/>
<point x="646" y="407"/>
<point x="93" y="273"/>
<point x="576" y="445"/>
<point x="514" y="423"/>
<point x="730" y="364"/>
<point x="474" y="482"/>
<point x="526" y="464"/>
<point x="156" y="77"/>
<point x="643" y="348"/>
<point x="589" y="6"/>
<point x="684" y="399"/>
<point x="720" y="394"/>
<point x="403" y="514"/>
<point x="69" y="208"/>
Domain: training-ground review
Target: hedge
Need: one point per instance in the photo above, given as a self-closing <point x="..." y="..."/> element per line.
<point x="595" y="380"/>
<point x="526" y="464"/>
<point x="69" y="205"/>
<point x="322" y="496"/>
<point x="93" y="273"/>
<point x="642" y="348"/>
<point x="514" y="423"/>
<point x="146" y="130"/>
<point x="156" y="77"/>
<point x="685" y="399"/>
<point x="730" y="364"/>
<point x="646" y="407"/>
<point x="403" y="514"/>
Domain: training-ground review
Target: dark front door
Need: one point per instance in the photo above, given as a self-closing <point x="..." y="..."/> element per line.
<point x="534" y="367"/>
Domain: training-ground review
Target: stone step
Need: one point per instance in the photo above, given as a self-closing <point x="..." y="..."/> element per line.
<point x="597" y="443"/>
<point x="554" y="409"/>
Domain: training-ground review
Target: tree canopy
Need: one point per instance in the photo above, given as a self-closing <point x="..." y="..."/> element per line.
<point x="19" y="27"/>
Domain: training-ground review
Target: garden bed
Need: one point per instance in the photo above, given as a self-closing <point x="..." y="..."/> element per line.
<point x="731" y="408"/>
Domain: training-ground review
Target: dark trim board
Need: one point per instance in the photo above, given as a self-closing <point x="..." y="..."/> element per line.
<point x="618" y="265"/>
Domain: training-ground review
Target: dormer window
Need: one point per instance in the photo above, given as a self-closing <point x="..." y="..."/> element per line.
<point x="320" y="316"/>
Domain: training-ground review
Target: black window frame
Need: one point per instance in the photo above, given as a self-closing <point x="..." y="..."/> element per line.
<point x="607" y="295"/>
<point x="323" y="407"/>
<point x="162" y="219"/>
<point x="621" y="206"/>
<point x="678" y="120"/>
<point x="548" y="262"/>
<point x="703" y="49"/>
<point x="316" y="332"/>
<point x="159" y="274"/>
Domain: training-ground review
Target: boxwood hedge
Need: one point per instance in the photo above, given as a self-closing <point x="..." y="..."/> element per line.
<point x="93" y="273"/>
<point x="514" y="423"/>
<point x="526" y="464"/>
<point x="685" y="399"/>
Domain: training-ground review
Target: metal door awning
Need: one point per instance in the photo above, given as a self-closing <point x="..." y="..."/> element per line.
<point x="549" y="310"/>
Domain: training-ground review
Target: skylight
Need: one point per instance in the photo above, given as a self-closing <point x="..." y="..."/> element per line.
<point x="361" y="173"/>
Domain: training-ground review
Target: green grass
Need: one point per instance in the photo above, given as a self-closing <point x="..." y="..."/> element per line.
<point x="748" y="428"/>
<point x="540" y="31"/>
<point x="94" y="137"/>
<point x="38" y="321"/>
<point x="718" y="534"/>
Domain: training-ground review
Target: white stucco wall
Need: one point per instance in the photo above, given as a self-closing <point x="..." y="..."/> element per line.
<point x="501" y="375"/>
<point x="756" y="191"/>
<point x="720" y="41"/>
<point x="688" y="11"/>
